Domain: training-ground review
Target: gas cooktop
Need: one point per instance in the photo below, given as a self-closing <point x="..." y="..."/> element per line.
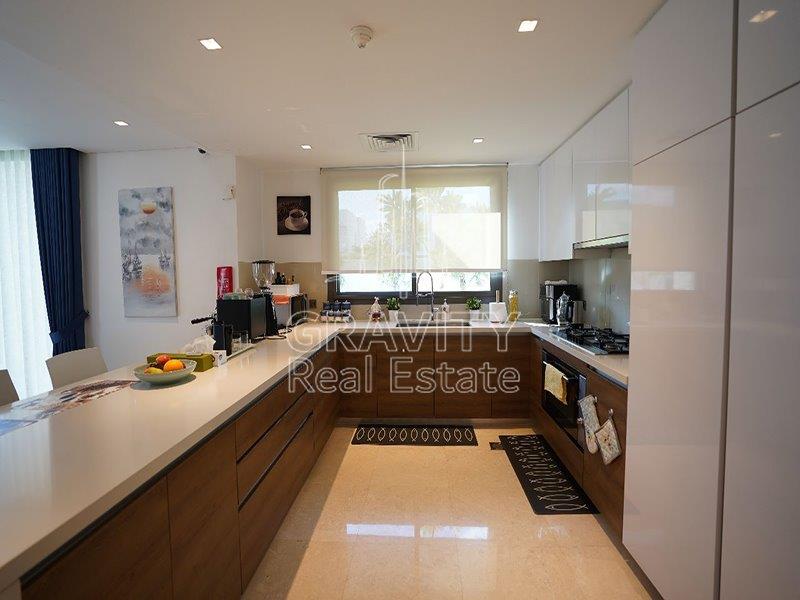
<point x="594" y="339"/>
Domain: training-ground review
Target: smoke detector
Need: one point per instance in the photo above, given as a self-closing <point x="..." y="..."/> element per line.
<point x="361" y="35"/>
<point x="388" y="142"/>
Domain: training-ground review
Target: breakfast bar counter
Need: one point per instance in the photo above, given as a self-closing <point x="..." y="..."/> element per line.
<point x="60" y="474"/>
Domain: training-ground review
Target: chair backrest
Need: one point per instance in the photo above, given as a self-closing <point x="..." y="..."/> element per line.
<point x="8" y="393"/>
<point x="75" y="366"/>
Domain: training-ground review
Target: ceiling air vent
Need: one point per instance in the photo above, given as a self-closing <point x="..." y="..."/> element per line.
<point x="390" y="142"/>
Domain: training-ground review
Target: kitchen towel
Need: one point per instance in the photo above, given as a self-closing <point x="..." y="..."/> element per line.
<point x="555" y="382"/>
<point x="590" y="421"/>
<point x="608" y="441"/>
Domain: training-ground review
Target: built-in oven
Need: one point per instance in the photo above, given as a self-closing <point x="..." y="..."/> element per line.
<point x="565" y="414"/>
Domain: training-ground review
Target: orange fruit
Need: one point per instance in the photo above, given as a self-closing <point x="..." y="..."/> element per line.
<point x="173" y="365"/>
<point x="162" y="359"/>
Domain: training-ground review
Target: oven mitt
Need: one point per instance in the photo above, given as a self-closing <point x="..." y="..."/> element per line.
<point x="590" y="421"/>
<point x="608" y="441"/>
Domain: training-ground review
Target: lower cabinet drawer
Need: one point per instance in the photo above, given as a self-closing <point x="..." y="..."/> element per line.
<point x="126" y="557"/>
<point x="326" y="411"/>
<point x="266" y="450"/>
<point x="261" y="515"/>
<point x="260" y="417"/>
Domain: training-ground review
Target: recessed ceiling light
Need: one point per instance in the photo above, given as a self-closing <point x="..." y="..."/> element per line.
<point x="121" y="123"/>
<point x="211" y="44"/>
<point x="305" y="146"/>
<point x="477" y="140"/>
<point x="775" y="134"/>
<point x="527" y="25"/>
<point x="763" y="15"/>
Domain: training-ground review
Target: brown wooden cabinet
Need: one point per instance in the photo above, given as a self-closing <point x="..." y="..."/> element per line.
<point x="262" y="513"/>
<point x="356" y="360"/>
<point x="258" y="460"/>
<point x="128" y="556"/>
<point x="513" y="354"/>
<point x="325" y="402"/>
<point x="405" y="364"/>
<point x="203" y="521"/>
<point x="263" y="413"/>
<point x="487" y="355"/>
<point x="605" y="484"/>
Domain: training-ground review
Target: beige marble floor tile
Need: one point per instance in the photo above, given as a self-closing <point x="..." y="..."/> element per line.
<point x="400" y="569"/>
<point x="302" y="571"/>
<point x="433" y="522"/>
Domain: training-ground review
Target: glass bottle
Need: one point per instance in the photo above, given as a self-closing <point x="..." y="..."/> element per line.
<point x="513" y="305"/>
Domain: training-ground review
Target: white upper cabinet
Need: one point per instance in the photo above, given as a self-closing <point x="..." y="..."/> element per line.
<point x="584" y="182"/>
<point x="546" y="175"/>
<point x="556" y="208"/>
<point x="601" y="174"/>
<point x="769" y="49"/>
<point x="682" y="74"/>
<point x="613" y="169"/>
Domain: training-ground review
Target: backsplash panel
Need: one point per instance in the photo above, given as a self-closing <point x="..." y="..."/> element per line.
<point x="605" y="283"/>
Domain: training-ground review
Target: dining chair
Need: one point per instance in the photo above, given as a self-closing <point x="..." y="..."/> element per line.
<point x="8" y="393"/>
<point x="75" y="366"/>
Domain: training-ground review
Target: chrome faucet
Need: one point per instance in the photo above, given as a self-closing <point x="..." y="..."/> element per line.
<point x="426" y="294"/>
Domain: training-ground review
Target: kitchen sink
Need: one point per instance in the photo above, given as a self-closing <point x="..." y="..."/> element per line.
<point x="429" y="323"/>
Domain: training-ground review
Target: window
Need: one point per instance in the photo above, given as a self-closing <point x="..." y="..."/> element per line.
<point x="403" y="221"/>
<point x="391" y="284"/>
<point x="24" y="329"/>
<point x="361" y="288"/>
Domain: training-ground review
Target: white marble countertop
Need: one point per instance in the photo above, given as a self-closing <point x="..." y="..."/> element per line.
<point x="60" y="474"/>
<point x="474" y="327"/>
<point x="614" y="366"/>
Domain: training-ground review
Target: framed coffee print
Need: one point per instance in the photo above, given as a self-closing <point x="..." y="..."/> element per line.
<point x="294" y="215"/>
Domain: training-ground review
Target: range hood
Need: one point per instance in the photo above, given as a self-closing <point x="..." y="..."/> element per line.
<point x="616" y="241"/>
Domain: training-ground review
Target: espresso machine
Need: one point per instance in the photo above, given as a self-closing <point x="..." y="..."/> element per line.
<point x="264" y="275"/>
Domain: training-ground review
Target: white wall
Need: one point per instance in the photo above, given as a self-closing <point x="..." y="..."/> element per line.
<point x="523" y="212"/>
<point x="205" y="237"/>
<point x="292" y="248"/>
<point x="249" y="204"/>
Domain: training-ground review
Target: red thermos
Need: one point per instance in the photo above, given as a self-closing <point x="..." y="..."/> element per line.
<point x="224" y="281"/>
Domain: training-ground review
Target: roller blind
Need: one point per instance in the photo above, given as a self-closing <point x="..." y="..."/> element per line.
<point x="417" y="219"/>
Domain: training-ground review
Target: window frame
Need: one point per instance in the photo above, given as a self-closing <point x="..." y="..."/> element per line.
<point x="453" y="297"/>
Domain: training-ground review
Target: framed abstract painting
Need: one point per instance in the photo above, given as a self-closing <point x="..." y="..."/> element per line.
<point x="147" y="245"/>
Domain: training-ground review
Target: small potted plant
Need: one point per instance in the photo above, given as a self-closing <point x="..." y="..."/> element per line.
<point x="474" y="307"/>
<point x="393" y="306"/>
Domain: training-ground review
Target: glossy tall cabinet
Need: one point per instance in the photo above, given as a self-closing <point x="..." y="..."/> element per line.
<point x="768" y="49"/>
<point x="761" y="530"/>
<point x="681" y="136"/>
<point x="682" y="62"/>
<point x="679" y="247"/>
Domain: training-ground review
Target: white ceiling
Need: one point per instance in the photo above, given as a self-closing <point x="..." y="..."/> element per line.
<point x="288" y="74"/>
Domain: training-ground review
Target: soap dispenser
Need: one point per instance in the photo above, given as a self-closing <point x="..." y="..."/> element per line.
<point x="445" y="310"/>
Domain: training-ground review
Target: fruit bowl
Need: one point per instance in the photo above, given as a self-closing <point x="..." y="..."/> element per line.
<point x="166" y="377"/>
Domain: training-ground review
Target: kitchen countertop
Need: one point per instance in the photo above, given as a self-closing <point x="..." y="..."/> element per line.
<point x="614" y="366"/>
<point x="474" y="327"/>
<point x="58" y="475"/>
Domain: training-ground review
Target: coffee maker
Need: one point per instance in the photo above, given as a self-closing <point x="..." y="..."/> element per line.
<point x="549" y="293"/>
<point x="264" y="275"/>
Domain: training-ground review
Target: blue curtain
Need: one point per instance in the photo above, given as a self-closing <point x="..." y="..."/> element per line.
<point x="56" y="198"/>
